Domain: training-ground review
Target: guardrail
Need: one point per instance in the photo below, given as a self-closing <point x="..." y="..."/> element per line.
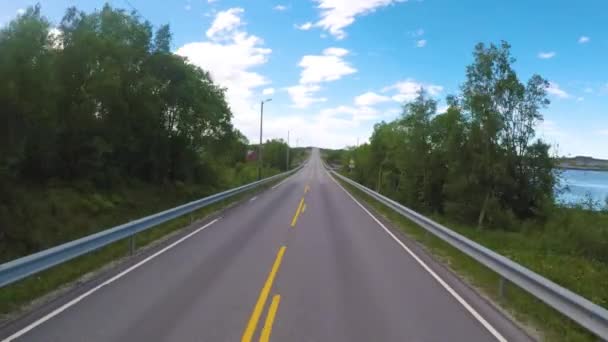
<point x="17" y="269"/>
<point x="587" y="314"/>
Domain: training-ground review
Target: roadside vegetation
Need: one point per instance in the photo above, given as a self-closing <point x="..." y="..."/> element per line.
<point x="102" y="124"/>
<point x="479" y="168"/>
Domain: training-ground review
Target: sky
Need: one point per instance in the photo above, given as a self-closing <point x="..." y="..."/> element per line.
<point x="334" y="68"/>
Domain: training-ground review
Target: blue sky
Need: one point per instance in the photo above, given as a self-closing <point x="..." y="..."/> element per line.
<point x="335" y="67"/>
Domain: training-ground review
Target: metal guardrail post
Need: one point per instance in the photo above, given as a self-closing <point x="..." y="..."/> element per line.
<point x="132" y="245"/>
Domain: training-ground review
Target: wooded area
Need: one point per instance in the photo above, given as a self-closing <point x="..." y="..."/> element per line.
<point x="479" y="161"/>
<point x="96" y="112"/>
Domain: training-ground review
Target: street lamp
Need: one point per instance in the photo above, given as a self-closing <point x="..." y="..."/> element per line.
<point x="260" y="147"/>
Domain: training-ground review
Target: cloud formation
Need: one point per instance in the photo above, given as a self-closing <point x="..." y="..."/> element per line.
<point x="546" y="55"/>
<point x="370" y="99"/>
<point x="327" y="67"/>
<point x="229" y="55"/>
<point x="304" y="27"/>
<point x="336" y="15"/>
<point x="408" y="90"/>
<point x="555" y="90"/>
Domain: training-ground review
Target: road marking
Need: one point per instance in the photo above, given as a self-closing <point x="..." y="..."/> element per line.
<point x="253" y="198"/>
<point x="306" y="188"/>
<point x="259" y="305"/>
<point x="272" y="311"/>
<point x="445" y="285"/>
<point x="283" y="181"/>
<point x="295" y="216"/>
<point x="94" y="289"/>
<point x="303" y="208"/>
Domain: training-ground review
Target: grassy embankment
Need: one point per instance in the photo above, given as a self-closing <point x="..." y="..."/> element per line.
<point x="570" y="249"/>
<point x="55" y="214"/>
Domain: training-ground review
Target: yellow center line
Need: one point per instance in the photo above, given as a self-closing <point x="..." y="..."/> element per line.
<point x="303" y="208"/>
<point x="259" y="305"/>
<point x="295" y="216"/>
<point x="272" y="312"/>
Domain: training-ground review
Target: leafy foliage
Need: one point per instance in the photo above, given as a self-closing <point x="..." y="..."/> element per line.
<point x="100" y="104"/>
<point x="479" y="161"/>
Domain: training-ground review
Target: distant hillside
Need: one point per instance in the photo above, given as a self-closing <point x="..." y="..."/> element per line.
<point x="583" y="163"/>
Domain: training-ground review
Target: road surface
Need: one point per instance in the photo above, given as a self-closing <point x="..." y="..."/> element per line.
<point x="302" y="261"/>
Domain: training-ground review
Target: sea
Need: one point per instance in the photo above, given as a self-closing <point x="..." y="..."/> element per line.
<point x="579" y="186"/>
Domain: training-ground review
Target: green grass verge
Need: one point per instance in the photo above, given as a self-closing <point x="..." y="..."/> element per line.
<point x="550" y="324"/>
<point x="13" y="297"/>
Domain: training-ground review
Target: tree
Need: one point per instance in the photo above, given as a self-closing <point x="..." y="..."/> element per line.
<point x="503" y="114"/>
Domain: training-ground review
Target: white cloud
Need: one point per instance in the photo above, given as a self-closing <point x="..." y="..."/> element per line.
<point x="21" y="11"/>
<point x="580" y="99"/>
<point x="304" y="27"/>
<point x="555" y="90"/>
<point x="268" y="91"/>
<point x="280" y="8"/>
<point x="421" y="43"/>
<point x="336" y="15"/>
<point x="584" y="40"/>
<point x="418" y="33"/>
<point x="588" y="90"/>
<point x="229" y="56"/>
<point x="329" y="66"/>
<point x="408" y="90"/>
<point x="302" y="95"/>
<point x="225" y="23"/>
<point x="370" y="99"/>
<point x="353" y="114"/>
<point x="188" y="7"/>
<point x="546" y="55"/>
<point x="211" y="1"/>
<point x="603" y="132"/>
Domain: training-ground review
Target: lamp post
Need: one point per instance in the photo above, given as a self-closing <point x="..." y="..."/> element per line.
<point x="260" y="147"/>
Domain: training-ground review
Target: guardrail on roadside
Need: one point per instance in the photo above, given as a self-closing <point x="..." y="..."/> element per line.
<point x="587" y="314"/>
<point x="17" y="269"/>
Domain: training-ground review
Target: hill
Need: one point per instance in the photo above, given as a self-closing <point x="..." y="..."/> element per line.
<point x="583" y="163"/>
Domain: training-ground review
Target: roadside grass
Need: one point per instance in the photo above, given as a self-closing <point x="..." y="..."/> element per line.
<point x="580" y="275"/>
<point x="17" y="296"/>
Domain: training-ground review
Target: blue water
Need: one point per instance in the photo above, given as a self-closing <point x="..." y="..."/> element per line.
<point x="581" y="184"/>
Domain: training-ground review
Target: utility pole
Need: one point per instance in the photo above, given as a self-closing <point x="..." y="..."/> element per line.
<point x="287" y="151"/>
<point x="260" y="147"/>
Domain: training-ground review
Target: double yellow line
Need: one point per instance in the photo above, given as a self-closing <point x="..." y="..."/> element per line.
<point x="263" y="297"/>
<point x="301" y="207"/>
<point x="259" y="305"/>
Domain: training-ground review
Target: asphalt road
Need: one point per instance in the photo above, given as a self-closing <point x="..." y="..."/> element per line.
<point x="300" y="262"/>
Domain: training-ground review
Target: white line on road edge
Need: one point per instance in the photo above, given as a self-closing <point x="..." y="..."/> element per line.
<point x="445" y="285"/>
<point x="107" y="282"/>
<point x="253" y="198"/>
<point x="283" y="181"/>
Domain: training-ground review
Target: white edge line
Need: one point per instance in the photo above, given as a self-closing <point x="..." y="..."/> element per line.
<point x="253" y="198"/>
<point x="283" y="181"/>
<point x="94" y="289"/>
<point x="466" y="305"/>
